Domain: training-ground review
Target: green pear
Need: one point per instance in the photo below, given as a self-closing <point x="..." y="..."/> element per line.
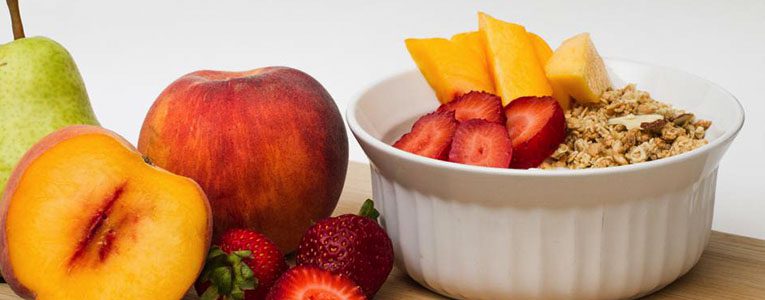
<point x="41" y="90"/>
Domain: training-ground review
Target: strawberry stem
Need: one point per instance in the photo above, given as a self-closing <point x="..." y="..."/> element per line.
<point x="221" y="278"/>
<point x="210" y="294"/>
<point x="368" y="210"/>
<point x="228" y="275"/>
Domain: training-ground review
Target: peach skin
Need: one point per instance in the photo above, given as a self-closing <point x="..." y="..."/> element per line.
<point x="268" y="146"/>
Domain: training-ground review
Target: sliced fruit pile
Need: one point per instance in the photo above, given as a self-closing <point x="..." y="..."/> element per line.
<point x="501" y="76"/>
<point x="475" y="129"/>
<point x="339" y="258"/>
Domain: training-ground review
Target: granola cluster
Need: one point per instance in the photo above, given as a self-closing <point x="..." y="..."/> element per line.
<point x="626" y="127"/>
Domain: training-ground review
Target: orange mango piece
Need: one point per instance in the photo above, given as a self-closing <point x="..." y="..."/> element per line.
<point x="577" y="66"/>
<point x="544" y="52"/>
<point x="541" y="48"/>
<point x="512" y="60"/>
<point x="472" y="40"/>
<point x="451" y="68"/>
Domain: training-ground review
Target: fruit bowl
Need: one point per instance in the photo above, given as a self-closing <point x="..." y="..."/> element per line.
<point x="483" y="233"/>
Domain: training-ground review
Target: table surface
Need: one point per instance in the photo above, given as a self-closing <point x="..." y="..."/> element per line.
<point x="731" y="267"/>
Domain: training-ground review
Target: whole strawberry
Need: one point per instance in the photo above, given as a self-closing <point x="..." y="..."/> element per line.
<point x="351" y="245"/>
<point x="242" y="265"/>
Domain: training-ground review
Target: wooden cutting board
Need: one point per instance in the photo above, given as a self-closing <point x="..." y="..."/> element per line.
<point x="732" y="267"/>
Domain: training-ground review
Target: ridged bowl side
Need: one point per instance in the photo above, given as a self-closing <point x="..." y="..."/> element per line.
<point x="607" y="250"/>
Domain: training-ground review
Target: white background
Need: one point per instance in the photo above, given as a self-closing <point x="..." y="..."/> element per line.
<point x="128" y="51"/>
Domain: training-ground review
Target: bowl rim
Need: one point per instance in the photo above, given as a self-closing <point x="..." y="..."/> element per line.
<point x="362" y="135"/>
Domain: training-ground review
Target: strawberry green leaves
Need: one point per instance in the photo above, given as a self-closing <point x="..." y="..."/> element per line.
<point x="228" y="275"/>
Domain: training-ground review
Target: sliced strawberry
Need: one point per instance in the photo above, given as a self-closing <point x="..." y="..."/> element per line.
<point x="537" y="127"/>
<point x="431" y="135"/>
<point x="308" y="283"/>
<point x="481" y="143"/>
<point x="476" y="105"/>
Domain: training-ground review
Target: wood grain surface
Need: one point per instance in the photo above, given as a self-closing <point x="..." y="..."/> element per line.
<point x="732" y="267"/>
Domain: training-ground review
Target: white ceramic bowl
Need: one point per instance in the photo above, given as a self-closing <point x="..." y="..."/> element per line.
<point x="483" y="233"/>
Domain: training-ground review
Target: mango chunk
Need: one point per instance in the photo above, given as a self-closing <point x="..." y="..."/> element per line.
<point x="579" y="69"/>
<point x="541" y="48"/>
<point x="544" y="52"/>
<point x="451" y="68"/>
<point x="472" y="40"/>
<point x="512" y="60"/>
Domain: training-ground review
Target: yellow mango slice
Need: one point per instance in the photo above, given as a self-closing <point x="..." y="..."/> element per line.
<point x="541" y="48"/>
<point x="451" y="68"/>
<point x="544" y="52"/>
<point x="472" y="40"/>
<point x="512" y="60"/>
<point x="578" y="68"/>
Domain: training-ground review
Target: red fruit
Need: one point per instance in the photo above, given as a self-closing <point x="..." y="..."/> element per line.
<point x="481" y="143"/>
<point x="258" y="254"/>
<point x="476" y="105"/>
<point x="537" y="127"/>
<point x="431" y="135"/>
<point x="312" y="283"/>
<point x="351" y="245"/>
<point x="268" y="146"/>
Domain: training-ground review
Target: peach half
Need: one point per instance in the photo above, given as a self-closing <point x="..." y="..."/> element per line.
<point x="85" y="217"/>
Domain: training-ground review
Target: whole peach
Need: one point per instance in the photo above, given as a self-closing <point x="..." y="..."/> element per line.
<point x="268" y="146"/>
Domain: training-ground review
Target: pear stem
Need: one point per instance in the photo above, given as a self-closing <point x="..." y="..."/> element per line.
<point x="18" y="28"/>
